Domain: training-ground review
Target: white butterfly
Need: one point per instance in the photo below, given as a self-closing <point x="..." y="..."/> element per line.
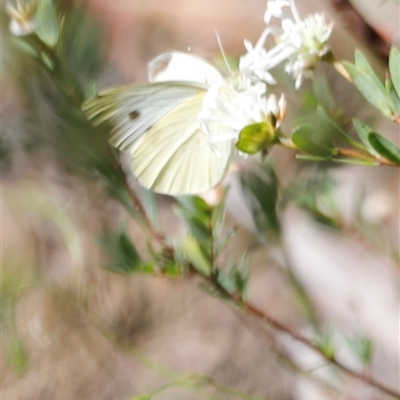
<point x="157" y="124"/>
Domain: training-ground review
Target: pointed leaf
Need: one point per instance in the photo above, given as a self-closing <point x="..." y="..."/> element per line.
<point x="326" y="344"/>
<point x="368" y="83"/>
<point x="47" y="28"/>
<point x="394" y="98"/>
<point x="362" y="64"/>
<point x="261" y="194"/>
<point x="362" y="347"/>
<point x="149" y="200"/>
<point x="218" y="216"/>
<point x="384" y="147"/>
<point x="345" y="160"/>
<point x="25" y="46"/>
<point x="363" y="132"/>
<point x="337" y="135"/>
<point x="226" y="280"/>
<point x="192" y="250"/>
<point x="323" y="92"/>
<point x="195" y="205"/>
<point x="394" y="68"/>
<point x="198" y="227"/>
<point x="123" y="257"/>
<point x="306" y="139"/>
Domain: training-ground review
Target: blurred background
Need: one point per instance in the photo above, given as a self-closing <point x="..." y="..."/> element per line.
<point x="72" y="329"/>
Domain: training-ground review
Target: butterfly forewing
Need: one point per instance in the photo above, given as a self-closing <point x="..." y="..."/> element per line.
<point x="148" y="102"/>
<point x="157" y="124"/>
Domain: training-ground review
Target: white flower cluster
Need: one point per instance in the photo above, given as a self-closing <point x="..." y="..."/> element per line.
<point x="300" y="43"/>
<point x="243" y="99"/>
<point x="22" y="17"/>
<point x="230" y="105"/>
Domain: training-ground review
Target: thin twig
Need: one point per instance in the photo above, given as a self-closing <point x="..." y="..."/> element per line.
<point x="257" y="329"/>
<point x="353" y="153"/>
<point x="263" y="316"/>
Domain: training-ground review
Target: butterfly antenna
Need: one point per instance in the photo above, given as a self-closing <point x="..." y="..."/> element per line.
<point x="222" y="51"/>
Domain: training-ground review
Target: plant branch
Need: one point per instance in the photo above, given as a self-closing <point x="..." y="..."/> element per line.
<point x="353" y="153"/>
<point x="350" y="153"/>
<point x="257" y="329"/>
<point x="265" y="317"/>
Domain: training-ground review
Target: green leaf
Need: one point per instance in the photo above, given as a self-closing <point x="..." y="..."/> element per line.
<point x="47" y="60"/>
<point x="362" y="348"/>
<point x="345" y="160"/>
<point x="376" y="143"/>
<point x="261" y="194"/>
<point x="194" y="254"/>
<point x="362" y="64"/>
<point x="333" y="130"/>
<point x="363" y="132"/>
<point x="323" y="92"/>
<point x="384" y="147"/>
<point x="326" y="344"/>
<point x="368" y="83"/>
<point x="218" y="216"/>
<point x="195" y="205"/>
<point x="234" y="277"/>
<point x="123" y="257"/>
<point x="308" y="157"/>
<point x="91" y="90"/>
<point x="172" y="269"/>
<point x="308" y="140"/>
<point x="81" y="44"/>
<point x="199" y="226"/>
<point x="244" y="274"/>
<point x="47" y="28"/>
<point x="226" y="280"/>
<point x="255" y="138"/>
<point x="394" y="98"/>
<point x="315" y="194"/>
<point x="149" y="200"/>
<point x="197" y="215"/>
<point x="25" y="46"/>
<point x="222" y="241"/>
<point x="394" y="68"/>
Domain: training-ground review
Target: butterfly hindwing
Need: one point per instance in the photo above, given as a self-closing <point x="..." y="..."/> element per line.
<point x="174" y="157"/>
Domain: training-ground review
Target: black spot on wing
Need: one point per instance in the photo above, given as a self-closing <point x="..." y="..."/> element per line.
<point x="134" y="115"/>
